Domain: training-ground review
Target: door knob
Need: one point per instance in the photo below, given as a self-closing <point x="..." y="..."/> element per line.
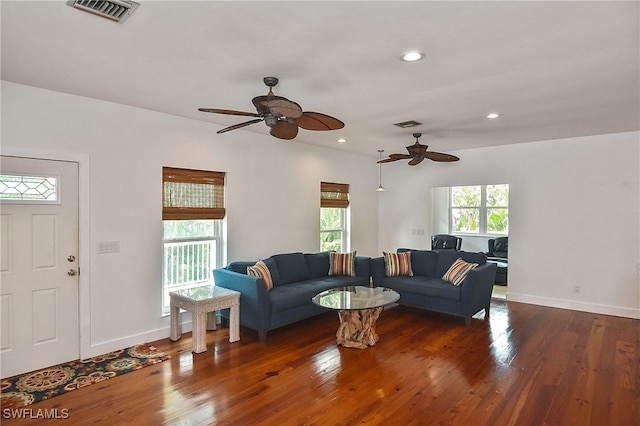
<point x="72" y="272"/>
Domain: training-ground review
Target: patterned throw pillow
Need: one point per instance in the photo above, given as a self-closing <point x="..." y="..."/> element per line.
<point x="342" y="264"/>
<point x="397" y="264"/>
<point x="458" y="271"/>
<point x="260" y="270"/>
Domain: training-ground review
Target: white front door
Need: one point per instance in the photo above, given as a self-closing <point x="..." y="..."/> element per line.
<point x="39" y="264"/>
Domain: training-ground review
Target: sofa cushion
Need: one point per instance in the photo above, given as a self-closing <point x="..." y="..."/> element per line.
<point x="342" y="264"/>
<point x="423" y="262"/>
<point x="318" y="264"/>
<point x="240" y="267"/>
<point x="300" y="294"/>
<point x="260" y="270"/>
<point x="458" y="271"/>
<point x="397" y="264"/>
<point x="428" y="286"/>
<point x="447" y="257"/>
<point x="292" y="267"/>
<point x="273" y="270"/>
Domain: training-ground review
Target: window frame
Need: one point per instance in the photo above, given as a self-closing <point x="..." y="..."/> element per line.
<point x="213" y="187"/>
<point x="343" y="229"/>
<point x="482" y="209"/>
<point x="336" y="196"/>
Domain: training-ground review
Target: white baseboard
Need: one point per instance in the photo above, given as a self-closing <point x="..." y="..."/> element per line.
<point x="575" y="306"/>
<point x="135" y="339"/>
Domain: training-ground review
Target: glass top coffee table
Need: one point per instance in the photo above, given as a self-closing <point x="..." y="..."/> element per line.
<point x="358" y="309"/>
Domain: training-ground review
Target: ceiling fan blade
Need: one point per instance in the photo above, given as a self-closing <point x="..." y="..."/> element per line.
<point x="285" y="107"/>
<point x="439" y="156"/>
<point x="228" y="112"/>
<point x="284" y="130"/>
<point x="400" y="156"/>
<point x="395" y="157"/>
<point x="239" y="125"/>
<point x="416" y="160"/>
<point x="317" y="121"/>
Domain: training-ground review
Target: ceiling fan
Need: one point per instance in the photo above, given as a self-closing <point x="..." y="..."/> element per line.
<point x="283" y="116"/>
<point x="418" y="152"/>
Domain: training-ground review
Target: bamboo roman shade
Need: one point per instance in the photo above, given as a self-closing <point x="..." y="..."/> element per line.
<point x="334" y="194"/>
<point x="192" y="194"/>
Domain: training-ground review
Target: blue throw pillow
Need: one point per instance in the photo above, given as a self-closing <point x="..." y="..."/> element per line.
<point x="423" y="262"/>
<point x="318" y="264"/>
<point x="273" y="270"/>
<point x="292" y="267"/>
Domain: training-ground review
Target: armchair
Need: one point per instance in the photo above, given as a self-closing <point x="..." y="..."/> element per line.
<point x="445" y="242"/>
<point x="499" y="254"/>
<point x="499" y="247"/>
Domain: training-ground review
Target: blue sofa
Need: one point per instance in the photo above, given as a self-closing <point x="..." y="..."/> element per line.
<point x="426" y="289"/>
<point x="297" y="277"/>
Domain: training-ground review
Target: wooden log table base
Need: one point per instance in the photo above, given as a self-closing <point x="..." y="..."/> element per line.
<point x="358" y="327"/>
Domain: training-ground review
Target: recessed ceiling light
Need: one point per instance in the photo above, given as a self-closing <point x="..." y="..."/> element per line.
<point x="493" y="115"/>
<point x="342" y="140"/>
<point x="412" y="56"/>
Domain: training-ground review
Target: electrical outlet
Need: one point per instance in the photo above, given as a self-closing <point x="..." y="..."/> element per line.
<point x="577" y="289"/>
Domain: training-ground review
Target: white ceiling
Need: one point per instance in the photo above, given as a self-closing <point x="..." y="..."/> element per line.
<point x="551" y="69"/>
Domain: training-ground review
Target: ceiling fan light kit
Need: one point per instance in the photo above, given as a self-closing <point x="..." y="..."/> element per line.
<point x="380" y="188"/>
<point x="281" y="115"/>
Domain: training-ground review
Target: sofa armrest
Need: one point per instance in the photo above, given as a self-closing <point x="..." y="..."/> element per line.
<point x="377" y="270"/>
<point x="254" y="297"/>
<point x="477" y="288"/>
<point x="362" y="266"/>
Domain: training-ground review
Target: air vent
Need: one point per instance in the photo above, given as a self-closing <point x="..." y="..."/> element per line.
<point x="115" y="10"/>
<point x="407" y="124"/>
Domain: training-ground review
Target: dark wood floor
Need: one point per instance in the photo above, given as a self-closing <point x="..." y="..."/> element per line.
<point x="526" y="365"/>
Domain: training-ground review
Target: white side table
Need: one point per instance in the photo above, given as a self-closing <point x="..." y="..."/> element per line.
<point x="203" y="302"/>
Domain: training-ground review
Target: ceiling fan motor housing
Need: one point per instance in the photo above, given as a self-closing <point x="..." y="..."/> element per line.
<point x="270" y="120"/>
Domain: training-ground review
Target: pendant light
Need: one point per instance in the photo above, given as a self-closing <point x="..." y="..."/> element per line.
<point x="380" y="188"/>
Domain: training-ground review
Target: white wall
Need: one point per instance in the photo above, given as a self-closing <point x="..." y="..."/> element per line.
<point x="121" y="151"/>
<point x="574" y="205"/>
<point x="574" y="216"/>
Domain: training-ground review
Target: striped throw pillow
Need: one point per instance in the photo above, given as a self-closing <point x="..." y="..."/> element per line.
<point x="260" y="270"/>
<point x="458" y="271"/>
<point x="397" y="264"/>
<point x="342" y="264"/>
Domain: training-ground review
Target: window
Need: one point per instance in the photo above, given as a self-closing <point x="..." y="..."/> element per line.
<point x="479" y="209"/>
<point x="28" y="188"/>
<point x="334" y="217"/>
<point x="193" y="213"/>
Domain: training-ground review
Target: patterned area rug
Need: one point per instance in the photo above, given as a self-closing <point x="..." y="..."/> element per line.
<point x="32" y="387"/>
